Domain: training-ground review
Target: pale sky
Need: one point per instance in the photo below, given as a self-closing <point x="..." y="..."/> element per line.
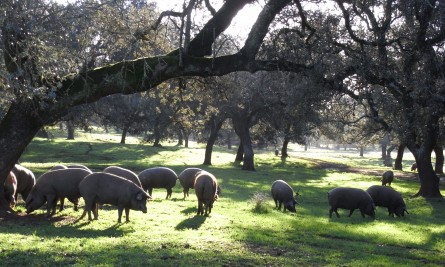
<point x="240" y="26"/>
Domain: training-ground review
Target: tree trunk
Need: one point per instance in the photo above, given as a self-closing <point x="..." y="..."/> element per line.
<point x="124" y="134"/>
<point x="388" y="159"/>
<point x="284" y="147"/>
<point x="17" y="129"/>
<point x="229" y="140"/>
<point x="240" y="153"/>
<point x="180" y="138"/>
<point x="215" y="126"/>
<point x="383" y="151"/>
<point x="439" y="159"/>
<point x="70" y="129"/>
<point x="399" y="158"/>
<point x="361" y="151"/>
<point x="241" y="126"/>
<point x="157" y="136"/>
<point x="429" y="181"/>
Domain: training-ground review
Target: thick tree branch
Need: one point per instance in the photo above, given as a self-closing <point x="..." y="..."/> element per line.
<point x="261" y="27"/>
<point x="201" y="45"/>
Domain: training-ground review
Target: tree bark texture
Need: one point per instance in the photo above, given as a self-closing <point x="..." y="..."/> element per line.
<point x="215" y="126"/>
<point x="399" y="158"/>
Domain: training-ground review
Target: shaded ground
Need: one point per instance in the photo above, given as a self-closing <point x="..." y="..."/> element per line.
<point x="21" y="218"/>
<point x="326" y="165"/>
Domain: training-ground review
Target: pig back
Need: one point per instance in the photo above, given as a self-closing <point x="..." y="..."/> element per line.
<point x="384" y="196"/>
<point x="158" y="177"/>
<point x="108" y="188"/>
<point x="348" y="198"/>
<point x="63" y="182"/>
<point x="125" y="173"/>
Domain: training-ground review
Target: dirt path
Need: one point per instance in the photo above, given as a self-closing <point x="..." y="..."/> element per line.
<point x="326" y="165"/>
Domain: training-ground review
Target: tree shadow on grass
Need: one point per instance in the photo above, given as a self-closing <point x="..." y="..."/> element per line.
<point x="191" y="223"/>
<point x="41" y="226"/>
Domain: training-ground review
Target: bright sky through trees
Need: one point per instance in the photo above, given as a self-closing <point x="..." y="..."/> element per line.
<point x="240" y="25"/>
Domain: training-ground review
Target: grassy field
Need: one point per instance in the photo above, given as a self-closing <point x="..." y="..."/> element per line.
<point x="243" y="229"/>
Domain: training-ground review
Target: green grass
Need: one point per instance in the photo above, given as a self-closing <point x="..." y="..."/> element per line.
<point x="237" y="233"/>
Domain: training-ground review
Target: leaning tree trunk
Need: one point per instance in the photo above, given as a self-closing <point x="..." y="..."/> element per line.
<point x="399" y="158"/>
<point x="284" y="147"/>
<point x="215" y="126"/>
<point x="124" y="134"/>
<point x="17" y="129"/>
<point x="439" y="159"/>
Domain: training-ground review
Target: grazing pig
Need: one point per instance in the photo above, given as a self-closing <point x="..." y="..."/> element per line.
<point x="414" y="166"/>
<point x="387" y="178"/>
<point x="53" y="185"/>
<point x="25" y="181"/>
<point x="71" y="166"/>
<point x="282" y="193"/>
<point x="10" y="188"/>
<point x="387" y="197"/>
<point x="206" y="191"/>
<point x="158" y="177"/>
<point x="187" y="179"/>
<point x="106" y="188"/>
<point x="125" y="173"/>
<point x="351" y="199"/>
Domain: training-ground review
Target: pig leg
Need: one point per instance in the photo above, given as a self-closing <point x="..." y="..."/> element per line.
<point x="199" y="207"/>
<point x="127" y="214"/>
<point x="51" y="202"/>
<point x="62" y="202"/>
<point x="89" y="206"/>
<point x="333" y="210"/>
<point x="279" y="204"/>
<point x="119" y="213"/>
<point x="351" y="211"/>
<point x="75" y="202"/>
<point x="169" y="193"/>
<point x="150" y="191"/>
<point x="96" y="210"/>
